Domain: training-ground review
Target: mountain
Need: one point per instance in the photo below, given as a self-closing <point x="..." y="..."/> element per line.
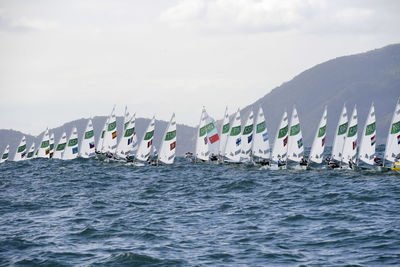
<point x="358" y="79"/>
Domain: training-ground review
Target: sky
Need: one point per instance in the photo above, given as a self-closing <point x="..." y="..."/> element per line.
<point x="65" y="60"/>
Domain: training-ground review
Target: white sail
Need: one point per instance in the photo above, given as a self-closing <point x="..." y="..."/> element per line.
<point x="350" y="142"/>
<point x="212" y="135"/>
<point x="261" y="146"/>
<point x="31" y="152"/>
<point x="247" y="137"/>
<point x="279" y="150"/>
<point x="368" y="138"/>
<point x="21" y="150"/>
<point x="44" y="149"/>
<point x="51" y="145"/>
<point x="340" y="135"/>
<point x="224" y="133"/>
<point x="100" y="143"/>
<point x="110" y="137"/>
<point x="4" y="156"/>
<point x="233" y="148"/>
<point x="392" y="149"/>
<point x="87" y="148"/>
<point x="202" y="151"/>
<point x="295" y="142"/>
<point x="58" y="153"/>
<point x="143" y="151"/>
<point x="168" y="145"/>
<point x="71" y="150"/>
<point x="128" y="140"/>
<point x="318" y="145"/>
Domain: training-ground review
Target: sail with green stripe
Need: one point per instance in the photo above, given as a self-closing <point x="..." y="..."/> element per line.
<point x="87" y="148"/>
<point x="318" y="145"/>
<point x="168" y="144"/>
<point x="295" y="142"/>
<point x="368" y="139"/>
<point x="21" y="150"/>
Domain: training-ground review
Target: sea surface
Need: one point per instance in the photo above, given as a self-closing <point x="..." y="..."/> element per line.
<point x="92" y="213"/>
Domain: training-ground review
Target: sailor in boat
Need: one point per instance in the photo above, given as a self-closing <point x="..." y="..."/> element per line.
<point x="281" y="162"/>
<point x="213" y="157"/>
<point x="331" y="163"/>
<point x="188" y="155"/>
<point x="264" y="162"/>
<point x="303" y="161"/>
<point x="378" y="161"/>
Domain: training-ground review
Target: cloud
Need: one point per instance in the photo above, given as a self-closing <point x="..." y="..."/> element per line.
<point x="23" y="23"/>
<point x="267" y="15"/>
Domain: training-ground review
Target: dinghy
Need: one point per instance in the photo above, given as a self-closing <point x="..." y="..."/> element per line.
<point x="87" y="149"/>
<point x="71" y="150"/>
<point x="261" y="150"/>
<point x="100" y="148"/>
<point x="21" y="150"/>
<point x="280" y="148"/>
<point x="366" y="152"/>
<point x="340" y="135"/>
<point x="224" y="134"/>
<point x="202" y="153"/>
<point x="207" y="142"/>
<point x="4" y="156"/>
<point x="110" y="136"/>
<point x="31" y="152"/>
<point x="146" y="144"/>
<point x="318" y="145"/>
<point x="295" y="143"/>
<point x="392" y="150"/>
<point x="168" y="145"/>
<point x="44" y="149"/>
<point x="350" y="143"/>
<point x="233" y="148"/>
<point x="58" y="153"/>
<point x="127" y="143"/>
<point x="247" y="138"/>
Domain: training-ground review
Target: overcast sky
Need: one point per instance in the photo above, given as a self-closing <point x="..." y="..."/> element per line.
<point x="64" y="60"/>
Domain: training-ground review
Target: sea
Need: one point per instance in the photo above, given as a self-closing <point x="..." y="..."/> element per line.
<point x="87" y="212"/>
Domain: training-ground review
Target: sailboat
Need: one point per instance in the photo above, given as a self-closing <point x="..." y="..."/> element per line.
<point x="350" y="142"/>
<point x="51" y="145"/>
<point x="168" y="145"/>
<point x="71" y="150"/>
<point x="280" y="148"/>
<point x="110" y="136"/>
<point x="87" y="148"/>
<point x="224" y="133"/>
<point x="202" y="153"/>
<point x="392" y="150"/>
<point x="146" y="144"/>
<point x="247" y="138"/>
<point x="295" y="142"/>
<point x="318" y="145"/>
<point x="58" y="153"/>
<point x="366" y="152"/>
<point x="261" y="148"/>
<point x="31" y="151"/>
<point x="21" y="150"/>
<point x="338" y="141"/>
<point x="44" y="149"/>
<point x="207" y="141"/>
<point x="233" y="148"/>
<point x="127" y="142"/>
<point x="100" y="142"/>
<point x="4" y="156"/>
